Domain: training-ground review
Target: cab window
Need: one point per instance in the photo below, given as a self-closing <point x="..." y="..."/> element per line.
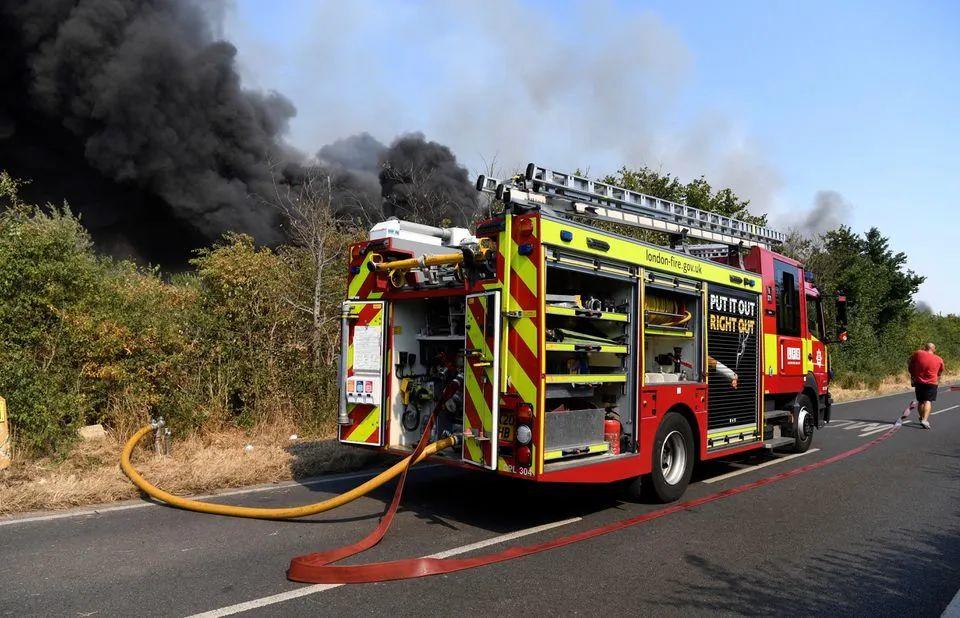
<point x="787" y="279"/>
<point x="815" y="323"/>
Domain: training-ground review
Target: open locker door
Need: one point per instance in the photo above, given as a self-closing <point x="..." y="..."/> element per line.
<point x="364" y="345"/>
<point x="480" y="371"/>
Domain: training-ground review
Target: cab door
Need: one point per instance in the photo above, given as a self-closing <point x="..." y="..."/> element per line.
<point x="481" y="367"/>
<point x="790" y="346"/>
<point x="816" y="356"/>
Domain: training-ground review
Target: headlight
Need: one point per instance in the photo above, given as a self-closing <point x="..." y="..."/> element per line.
<point x="524" y="435"/>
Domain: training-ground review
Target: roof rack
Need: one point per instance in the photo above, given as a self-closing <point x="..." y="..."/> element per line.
<point x="571" y="195"/>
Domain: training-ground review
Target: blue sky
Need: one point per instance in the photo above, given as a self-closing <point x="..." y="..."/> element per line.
<point x="779" y="100"/>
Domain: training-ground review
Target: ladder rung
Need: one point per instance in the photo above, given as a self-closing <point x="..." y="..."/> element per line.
<point x="709" y="252"/>
<point x="613" y="203"/>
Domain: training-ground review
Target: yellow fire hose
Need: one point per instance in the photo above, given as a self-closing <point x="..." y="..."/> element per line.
<point x="666" y="307"/>
<point x="264" y="513"/>
<point x="377" y="264"/>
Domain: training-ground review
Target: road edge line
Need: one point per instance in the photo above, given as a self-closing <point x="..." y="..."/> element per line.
<point x="945" y="387"/>
<point x="723" y="477"/>
<point x="109" y="507"/>
<point x="297" y="593"/>
<point x="953" y="608"/>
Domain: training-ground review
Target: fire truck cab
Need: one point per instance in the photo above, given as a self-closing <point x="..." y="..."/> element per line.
<point x="562" y="351"/>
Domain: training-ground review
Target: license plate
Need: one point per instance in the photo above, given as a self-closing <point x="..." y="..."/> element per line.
<point x="508" y="424"/>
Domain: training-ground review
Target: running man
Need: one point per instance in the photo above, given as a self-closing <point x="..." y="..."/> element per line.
<point x="925" y="369"/>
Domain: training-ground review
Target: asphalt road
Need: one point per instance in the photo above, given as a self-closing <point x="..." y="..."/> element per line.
<point x="874" y="534"/>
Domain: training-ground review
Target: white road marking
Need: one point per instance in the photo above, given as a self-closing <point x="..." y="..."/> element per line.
<point x="308" y="590"/>
<point x="944" y="410"/>
<point x="13" y="520"/>
<point x="953" y="610"/>
<point x="879" y="428"/>
<point x="724" y="477"/>
<point x="838" y="424"/>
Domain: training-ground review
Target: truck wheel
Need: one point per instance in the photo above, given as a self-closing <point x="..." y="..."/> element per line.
<point x="803" y="427"/>
<point x="673" y="457"/>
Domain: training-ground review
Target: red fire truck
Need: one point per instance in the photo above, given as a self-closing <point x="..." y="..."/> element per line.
<point x="560" y="350"/>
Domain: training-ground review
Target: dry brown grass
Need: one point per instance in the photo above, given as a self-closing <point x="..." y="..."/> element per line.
<point x="217" y="460"/>
<point x="889" y="385"/>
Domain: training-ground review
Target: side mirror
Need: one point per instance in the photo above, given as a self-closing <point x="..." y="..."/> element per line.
<point x="841" y="318"/>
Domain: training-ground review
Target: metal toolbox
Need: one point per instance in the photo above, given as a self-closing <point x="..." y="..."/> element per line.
<point x="572" y="428"/>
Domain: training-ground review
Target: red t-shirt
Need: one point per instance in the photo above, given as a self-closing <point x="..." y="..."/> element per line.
<point x="925" y="367"/>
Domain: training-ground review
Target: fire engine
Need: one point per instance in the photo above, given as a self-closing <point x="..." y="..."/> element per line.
<point x="559" y="349"/>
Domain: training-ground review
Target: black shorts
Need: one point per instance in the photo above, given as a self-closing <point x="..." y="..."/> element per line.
<point x="926" y="392"/>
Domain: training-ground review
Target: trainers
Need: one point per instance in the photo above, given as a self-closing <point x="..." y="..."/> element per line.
<point x="926" y="424"/>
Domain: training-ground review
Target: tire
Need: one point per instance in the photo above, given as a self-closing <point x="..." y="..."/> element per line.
<point x="673" y="457"/>
<point x="803" y="439"/>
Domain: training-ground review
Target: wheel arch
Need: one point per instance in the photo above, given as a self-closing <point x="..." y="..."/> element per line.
<point x="691" y="418"/>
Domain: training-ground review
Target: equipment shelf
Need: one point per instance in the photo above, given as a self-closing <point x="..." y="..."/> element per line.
<point x="662" y="332"/>
<point x="440" y="337"/>
<point x="573" y="451"/>
<point x="587" y="313"/>
<point x="553" y="346"/>
<point x="585" y="378"/>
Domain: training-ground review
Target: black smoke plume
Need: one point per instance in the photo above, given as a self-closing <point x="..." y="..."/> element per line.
<point x="148" y="99"/>
<point x="133" y="112"/>
<point x="421" y="181"/>
<point x="353" y="166"/>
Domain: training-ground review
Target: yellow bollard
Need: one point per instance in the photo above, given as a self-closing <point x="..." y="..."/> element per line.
<point x="4" y="436"/>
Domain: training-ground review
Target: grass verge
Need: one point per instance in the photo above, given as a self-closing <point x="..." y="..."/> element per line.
<point x="887" y="386"/>
<point x="198" y="463"/>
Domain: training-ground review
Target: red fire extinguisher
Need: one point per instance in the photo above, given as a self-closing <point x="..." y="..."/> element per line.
<point x="611" y="432"/>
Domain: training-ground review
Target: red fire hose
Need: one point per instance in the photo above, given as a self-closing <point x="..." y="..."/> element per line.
<point x="318" y="567"/>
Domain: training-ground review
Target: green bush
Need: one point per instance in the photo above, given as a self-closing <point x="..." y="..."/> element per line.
<point x="86" y="339"/>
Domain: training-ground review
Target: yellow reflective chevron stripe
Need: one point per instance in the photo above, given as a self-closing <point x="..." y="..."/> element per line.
<point x="770" y="354"/>
<point x="366" y="428"/>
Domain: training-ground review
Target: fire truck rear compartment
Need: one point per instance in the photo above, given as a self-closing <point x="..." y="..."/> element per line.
<point x="426" y="352"/>
<point x="590" y="355"/>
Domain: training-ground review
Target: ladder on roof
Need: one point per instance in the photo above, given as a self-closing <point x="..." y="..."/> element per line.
<point x="570" y="195"/>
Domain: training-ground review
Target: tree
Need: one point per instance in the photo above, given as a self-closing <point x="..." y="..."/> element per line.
<point x="697" y="193"/>
<point x="880" y="291"/>
<point x="324" y="239"/>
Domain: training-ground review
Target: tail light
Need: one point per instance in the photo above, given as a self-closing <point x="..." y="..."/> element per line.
<point x="524" y="413"/>
<point x="524" y="434"/>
